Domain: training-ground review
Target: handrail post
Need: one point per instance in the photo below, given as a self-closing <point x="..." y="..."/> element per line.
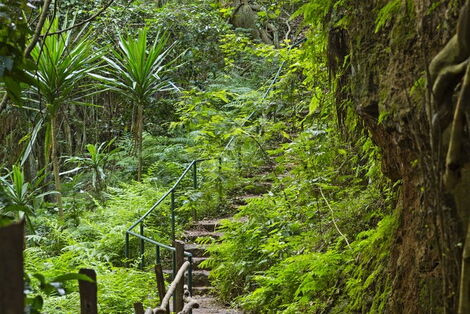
<point x="11" y="268"/>
<point x="88" y="292"/>
<point x="219" y="181"/>
<point x="173" y="222"/>
<point x="142" y="246"/>
<point x="157" y="255"/>
<point x="239" y="158"/>
<point x="195" y="175"/>
<point x="173" y="230"/>
<point x="126" y="249"/>
<point x="139" y="308"/>
<point x="161" y="284"/>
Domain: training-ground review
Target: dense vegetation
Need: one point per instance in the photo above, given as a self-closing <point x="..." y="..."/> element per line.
<point x="295" y="102"/>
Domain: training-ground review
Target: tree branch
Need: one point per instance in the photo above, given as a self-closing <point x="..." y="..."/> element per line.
<point x="82" y="22"/>
<point x="37" y="31"/>
<point x="333" y="218"/>
<point x="34" y="40"/>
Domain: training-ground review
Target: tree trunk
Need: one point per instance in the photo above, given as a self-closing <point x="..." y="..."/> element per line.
<point x="139" y="131"/>
<point x="55" y="164"/>
<point x="464" y="298"/>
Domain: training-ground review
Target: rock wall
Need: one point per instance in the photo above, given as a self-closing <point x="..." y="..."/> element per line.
<point x="385" y="82"/>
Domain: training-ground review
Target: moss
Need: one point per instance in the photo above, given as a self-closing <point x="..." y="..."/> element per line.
<point x="404" y="29"/>
<point x="427" y="294"/>
<point x="369" y="286"/>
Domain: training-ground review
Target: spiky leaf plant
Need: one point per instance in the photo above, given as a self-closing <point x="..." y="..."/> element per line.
<point x="64" y="61"/>
<point x="136" y="71"/>
<point x="18" y="197"/>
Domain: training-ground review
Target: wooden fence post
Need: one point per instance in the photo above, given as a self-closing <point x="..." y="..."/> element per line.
<point x="172" y="289"/>
<point x="11" y="268"/>
<point x="179" y="292"/>
<point x="139" y="308"/>
<point x="88" y="293"/>
<point x="161" y="283"/>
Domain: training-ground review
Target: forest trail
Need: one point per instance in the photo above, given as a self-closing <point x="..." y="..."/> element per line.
<point x="202" y="290"/>
<point x="208" y="229"/>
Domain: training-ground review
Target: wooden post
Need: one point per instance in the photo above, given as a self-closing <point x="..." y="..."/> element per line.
<point x="139" y="308"/>
<point x="171" y="290"/>
<point x="88" y="293"/>
<point x="161" y="283"/>
<point x="11" y="268"/>
<point x="179" y="292"/>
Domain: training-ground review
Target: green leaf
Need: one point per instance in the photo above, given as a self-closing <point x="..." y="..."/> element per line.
<point x="31" y="142"/>
<point x="72" y="276"/>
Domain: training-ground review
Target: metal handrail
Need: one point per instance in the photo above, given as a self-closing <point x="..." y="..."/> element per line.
<point x="168" y="247"/>
<point x="159" y="245"/>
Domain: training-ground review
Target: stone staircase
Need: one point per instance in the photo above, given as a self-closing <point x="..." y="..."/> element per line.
<point x="201" y="229"/>
<point x="208" y="228"/>
<point x="202" y="290"/>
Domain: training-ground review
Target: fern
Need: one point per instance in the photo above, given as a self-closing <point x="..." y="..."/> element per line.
<point x="387" y="13"/>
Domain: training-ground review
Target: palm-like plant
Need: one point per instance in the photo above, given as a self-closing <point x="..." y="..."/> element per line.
<point x="136" y="72"/>
<point x="63" y="63"/>
<point x="18" y="197"/>
<point x="95" y="161"/>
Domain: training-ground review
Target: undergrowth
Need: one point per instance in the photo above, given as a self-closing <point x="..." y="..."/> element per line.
<point x="321" y="236"/>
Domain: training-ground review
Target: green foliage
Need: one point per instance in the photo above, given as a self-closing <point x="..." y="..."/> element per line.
<point x="34" y="300"/>
<point x="136" y="70"/>
<point x="94" y="239"/>
<point x="323" y="14"/>
<point x="64" y="62"/>
<point x="366" y="278"/>
<point x="197" y="27"/>
<point x="389" y="11"/>
<point x="96" y="161"/>
<point x="14" y="31"/>
<point x="140" y="286"/>
<point x="162" y="156"/>
<point x="264" y="261"/>
<point x="318" y="239"/>
<point x="18" y="197"/>
<point x="306" y="279"/>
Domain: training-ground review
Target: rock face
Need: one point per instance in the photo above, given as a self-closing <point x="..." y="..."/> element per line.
<point x="386" y="81"/>
<point x="245" y="15"/>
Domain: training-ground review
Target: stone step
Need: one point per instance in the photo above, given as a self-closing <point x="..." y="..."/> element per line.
<point x="258" y="188"/>
<point x="242" y="200"/>
<point x="202" y="290"/>
<point x="192" y="235"/>
<point x="200" y="277"/>
<point x="197" y="263"/>
<point x="208" y="225"/>
<point x="197" y="250"/>
<point x="210" y="305"/>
